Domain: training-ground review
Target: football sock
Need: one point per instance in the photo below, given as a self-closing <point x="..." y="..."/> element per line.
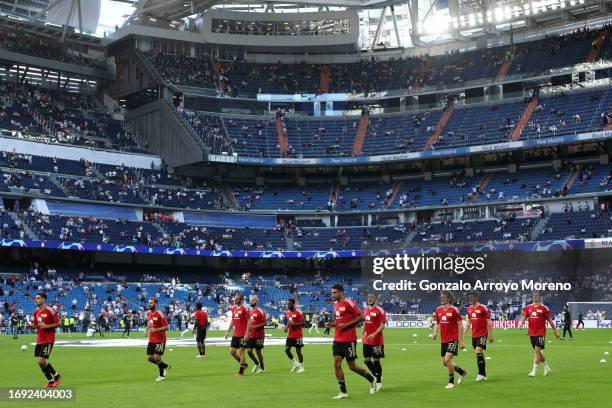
<point x="289" y="353"/>
<point x="367" y="376"/>
<point x="161" y="365"/>
<point x="46" y="372"/>
<point x="254" y="358"/>
<point x="50" y="369"/>
<point x="261" y="363"/>
<point x="242" y="368"/>
<point x="298" y="351"/>
<point x="370" y="365"/>
<point x="342" y="386"/>
<point x="451" y="378"/>
<point x="480" y="361"/>
<point x="378" y="373"/>
<point x="460" y="370"/>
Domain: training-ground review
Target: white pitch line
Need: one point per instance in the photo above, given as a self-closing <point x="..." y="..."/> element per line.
<point x="181" y="342"/>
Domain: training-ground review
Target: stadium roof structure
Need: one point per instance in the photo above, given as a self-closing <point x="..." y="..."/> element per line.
<point x="482" y="17"/>
<point x="175" y="9"/>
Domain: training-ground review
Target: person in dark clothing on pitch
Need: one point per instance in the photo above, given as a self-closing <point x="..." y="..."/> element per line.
<point x="127" y="323"/>
<point x="567" y="323"/>
<point x="580" y="321"/>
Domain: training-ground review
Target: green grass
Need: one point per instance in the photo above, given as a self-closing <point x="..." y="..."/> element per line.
<point x="120" y="377"/>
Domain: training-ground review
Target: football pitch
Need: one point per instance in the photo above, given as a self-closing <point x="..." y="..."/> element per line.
<point x="412" y="375"/>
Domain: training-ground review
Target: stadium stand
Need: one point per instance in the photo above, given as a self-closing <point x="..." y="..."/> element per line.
<point x="52" y="115"/>
<point x="557" y="114"/>
<point x="480" y="199"/>
<point x="247" y="79"/>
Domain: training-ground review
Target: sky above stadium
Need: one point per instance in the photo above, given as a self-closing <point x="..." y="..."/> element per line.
<point x="112" y="13"/>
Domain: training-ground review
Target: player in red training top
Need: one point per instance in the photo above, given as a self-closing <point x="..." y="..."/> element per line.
<point x="157" y="325"/>
<point x="538" y="315"/>
<point x="200" y="319"/>
<point x="479" y="318"/>
<point x="240" y="317"/>
<point x="255" y="334"/>
<point x="374" y="322"/>
<point x="347" y="316"/>
<point x="295" y="338"/>
<point x="45" y="322"/>
<point x="450" y="325"/>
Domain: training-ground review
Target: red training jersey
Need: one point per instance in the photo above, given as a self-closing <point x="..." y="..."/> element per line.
<point x="479" y="315"/>
<point x="257" y="316"/>
<point x="373" y="318"/>
<point x="201" y="318"/>
<point x="295" y="317"/>
<point x="45" y="316"/>
<point x="239" y="316"/>
<point x="537" y="317"/>
<point x="447" y="320"/>
<point x="156" y="320"/>
<point x="345" y="310"/>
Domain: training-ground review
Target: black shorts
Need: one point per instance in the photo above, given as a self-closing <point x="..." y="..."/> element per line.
<point x="237" y="342"/>
<point x="256" y="344"/>
<point x="345" y="349"/>
<point x="479" y="342"/>
<point x="450" y="347"/>
<point x="43" y="350"/>
<point x="155" y="348"/>
<point x="297" y="343"/>
<point x="200" y="334"/>
<point x="537" y="341"/>
<point x="370" y="351"/>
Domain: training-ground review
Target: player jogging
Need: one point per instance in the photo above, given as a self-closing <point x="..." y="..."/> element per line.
<point x="538" y="315"/>
<point x="449" y="323"/>
<point x="255" y="334"/>
<point x="200" y="319"/>
<point x="375" y="319"/>
<point x="45" y="322"/>
<point x="240" y="317"/>
<point x="347" y="316"/>
<point x="189" y="328"/>
<point x="479" y="319"/>
<point x="295" y="321"/>
<point x="157" y="325"/>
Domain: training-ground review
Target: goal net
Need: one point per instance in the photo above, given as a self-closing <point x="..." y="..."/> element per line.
<point x="591" y="310"/>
